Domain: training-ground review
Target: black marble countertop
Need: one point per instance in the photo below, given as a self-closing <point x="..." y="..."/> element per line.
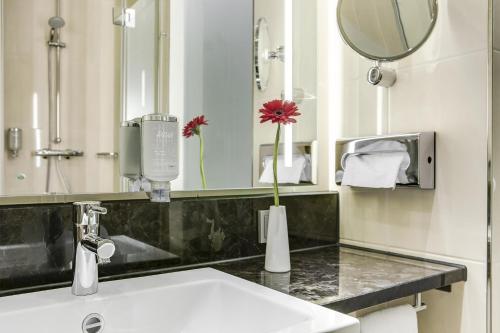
<point x="348" y="279"/>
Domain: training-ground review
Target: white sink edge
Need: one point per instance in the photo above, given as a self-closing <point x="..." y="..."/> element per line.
<point x="321" y="317"/>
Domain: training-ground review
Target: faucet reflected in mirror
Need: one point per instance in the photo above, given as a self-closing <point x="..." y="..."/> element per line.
<point x="89" y="248"/>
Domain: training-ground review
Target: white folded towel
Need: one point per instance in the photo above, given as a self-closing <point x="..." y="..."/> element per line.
<point x="400" y="319"/>
<point x="378" y="165"/>
<point x="286" y="175"/>
<point x="306" y="175"/>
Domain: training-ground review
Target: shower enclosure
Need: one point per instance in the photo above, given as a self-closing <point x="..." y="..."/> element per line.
<point x="54" y="46"/>
<point x="62" y="76"/>
<point x="78" y="73"/>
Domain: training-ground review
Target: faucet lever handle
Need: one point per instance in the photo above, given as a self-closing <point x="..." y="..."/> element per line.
<point x="88" y="209"/>
<point x="96" y="209"/>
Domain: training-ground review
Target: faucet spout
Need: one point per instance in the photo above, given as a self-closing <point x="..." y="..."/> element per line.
<point x="103" y="248"/>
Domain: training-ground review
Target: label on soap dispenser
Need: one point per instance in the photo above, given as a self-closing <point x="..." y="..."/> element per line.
<point x="160" y="150"/>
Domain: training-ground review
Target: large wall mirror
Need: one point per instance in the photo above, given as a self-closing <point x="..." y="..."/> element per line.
<point x="74" y="71"/>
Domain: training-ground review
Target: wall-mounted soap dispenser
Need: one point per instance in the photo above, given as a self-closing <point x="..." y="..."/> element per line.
<point x="149" y="154"/>
<point x="159" y="153"/>
<point x="14" y="141"/>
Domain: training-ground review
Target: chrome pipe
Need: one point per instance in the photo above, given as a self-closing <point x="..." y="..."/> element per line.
<point x="55" y="96"/>
<point x="49" y="163"/>
<point x="56" y="23"/>
<point x="58" y="139"/>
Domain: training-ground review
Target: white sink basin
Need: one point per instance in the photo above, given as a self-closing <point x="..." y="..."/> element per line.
<point x="195" y="301"/>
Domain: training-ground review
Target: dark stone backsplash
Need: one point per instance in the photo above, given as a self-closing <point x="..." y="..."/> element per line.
<point x="36" y="242"/>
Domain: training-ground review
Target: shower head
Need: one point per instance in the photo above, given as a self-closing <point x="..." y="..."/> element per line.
<point x="56" y="22"/>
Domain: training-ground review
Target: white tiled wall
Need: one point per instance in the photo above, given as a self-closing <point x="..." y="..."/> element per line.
<point x="442" y="88"/>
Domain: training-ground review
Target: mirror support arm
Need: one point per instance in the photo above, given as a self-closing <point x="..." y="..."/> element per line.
<point x="380" y="76"/>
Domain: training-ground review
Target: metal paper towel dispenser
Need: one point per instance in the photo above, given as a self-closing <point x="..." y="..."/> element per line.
<point x="420" y="146"/>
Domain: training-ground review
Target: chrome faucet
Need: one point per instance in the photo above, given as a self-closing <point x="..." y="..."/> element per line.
<point x="89" y="248"/>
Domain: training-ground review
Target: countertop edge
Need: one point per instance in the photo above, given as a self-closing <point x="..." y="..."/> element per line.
<point x="443" y="281"/>
<point x="398" y="291"/>
<point x="404" y="256"/>
<point x="346" y="305"/>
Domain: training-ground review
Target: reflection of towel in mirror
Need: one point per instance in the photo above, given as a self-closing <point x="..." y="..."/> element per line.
<point x="299" y="171"/>
<point x="306" y="175"/>
<point x="381" y="164"/>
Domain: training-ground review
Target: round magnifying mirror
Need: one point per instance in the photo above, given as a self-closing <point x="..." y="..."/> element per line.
<point x="386" y="30"/>
<point x="261" y="54"/>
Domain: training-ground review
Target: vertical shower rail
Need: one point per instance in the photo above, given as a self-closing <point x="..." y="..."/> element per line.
<point x="55" y="43"/>
<point x="54" y="91"/>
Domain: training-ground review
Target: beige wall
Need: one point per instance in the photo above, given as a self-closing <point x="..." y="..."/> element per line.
<point x="442" y="88"/>
<point x="87" y="93"/>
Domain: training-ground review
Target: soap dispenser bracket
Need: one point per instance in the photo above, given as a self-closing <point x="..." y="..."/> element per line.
<point x="380" y="76"/>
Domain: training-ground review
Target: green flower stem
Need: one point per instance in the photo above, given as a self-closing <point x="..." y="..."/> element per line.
<point x="202" y="167"/>
<point x="275" y="167"/>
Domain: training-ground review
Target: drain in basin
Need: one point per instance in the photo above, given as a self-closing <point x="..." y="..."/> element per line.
<point x="93" y="323"/>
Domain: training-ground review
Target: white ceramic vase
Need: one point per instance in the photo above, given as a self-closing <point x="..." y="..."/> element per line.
<point x="277" y="250"/>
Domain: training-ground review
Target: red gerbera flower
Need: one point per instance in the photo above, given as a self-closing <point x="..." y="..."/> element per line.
<point x="193" y="127"/>
<point x="279" y="111"/>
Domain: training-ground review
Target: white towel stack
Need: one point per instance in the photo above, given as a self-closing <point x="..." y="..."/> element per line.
<point x="400" y="319"/>
<point x="381" y="164"/>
